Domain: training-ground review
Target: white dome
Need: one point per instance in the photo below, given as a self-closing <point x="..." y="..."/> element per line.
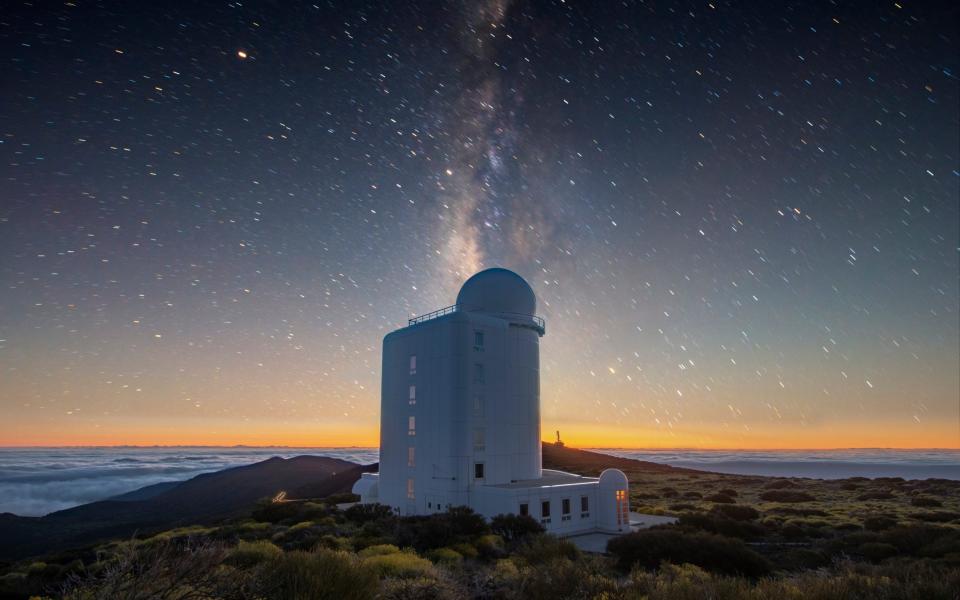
<point x="497" y="291"/>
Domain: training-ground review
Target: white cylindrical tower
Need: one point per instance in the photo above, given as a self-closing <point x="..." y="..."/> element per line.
<point x="503" y="399"/>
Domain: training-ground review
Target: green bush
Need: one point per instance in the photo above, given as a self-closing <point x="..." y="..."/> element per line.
<point x="876" y="495"/>
<point x="542" y="548"/>
<point x="248" y="554"/>
<point x="876" y="551"/>
<point x="736" y="512"/>
<point x="321" y="575"/>
<point x="786" y="496"/>
<point x="445" y="556"/>
<point x="562" y="578"/>
<point x="378" y="550"/>
<point x="421" y="588"/>
<point x="879" y="523"/>
<point x="648" y="548"/>
<point x="720" y="499"/>
<point x="717" y="523"/>
<point x="514" y="528"/>
<point x="402" y="564"/>
<point x="925" y="502"/>
<point x="780" y="484"/>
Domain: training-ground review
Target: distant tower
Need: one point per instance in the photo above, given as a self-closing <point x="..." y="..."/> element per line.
<point x="559" y="442"/>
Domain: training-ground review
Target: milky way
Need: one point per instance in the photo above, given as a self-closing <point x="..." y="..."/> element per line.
<point x="741" y="221"/>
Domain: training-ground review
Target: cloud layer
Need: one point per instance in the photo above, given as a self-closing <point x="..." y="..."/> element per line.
<point x="37" y="481"/>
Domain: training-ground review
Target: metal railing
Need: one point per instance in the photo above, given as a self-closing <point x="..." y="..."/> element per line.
<point x="538" y="323"/>
<point x="433" y="315"/>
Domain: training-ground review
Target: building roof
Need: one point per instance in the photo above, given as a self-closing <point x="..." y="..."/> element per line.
<point x="550" y="478"/>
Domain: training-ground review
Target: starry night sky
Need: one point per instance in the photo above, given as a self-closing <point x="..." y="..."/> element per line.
<point x="741" y="219"/>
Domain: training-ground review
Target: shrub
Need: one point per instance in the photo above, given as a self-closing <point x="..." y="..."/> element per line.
<point x="669" y="492"/>
<point x="401" y="564"/>
<point x="562" y="578"/>
<point x="543" y="548"/>
<point x="925" y="501"/>
<point x="876" y="495"/>
<point x="321" y="575"/>
<point x="648" y="548"/>
<point x="786" y="496"/>
<point x="275" y="512"/>
<point x="879" y="523"/>
<point x="515" y="528"/>
<point x="939" y="516"/>
<point x="418" y="589"/>
<point x="490" y="546"/>
<point x="446" y="556"/>
<point x="362" y="513"/>
<point x="729" y="492"/>
<point x="780" y="484"/>
<point x="248" y="554"/>
<point x="378" y="550"/>
<point x="735" y="512"/>
<point x="692" y="495"/>
<point x="465" y="521"/>
<point x="720" y="499"/>
<point x="717" y="523"/>
<point x="876" y="551"/>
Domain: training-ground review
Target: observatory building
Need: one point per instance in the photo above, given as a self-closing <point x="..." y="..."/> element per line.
<point x="460" y="418"/>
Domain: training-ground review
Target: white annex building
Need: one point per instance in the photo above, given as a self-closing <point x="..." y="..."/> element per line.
<point x="460" y="418"/>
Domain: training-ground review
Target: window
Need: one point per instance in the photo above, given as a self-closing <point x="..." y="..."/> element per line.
<point x="478" y="340"/>
<point x="623" y="518"/>
<point x="524" y="509"/>
<point x="410" y="493"/>
<point x="413" y="364"/>
<point x="584" y="507"/>
<point x="565" y="509"/>
<point x="412" y="426"/>
<point x="411" y="456"/>
<point x="478" y="470"/>
<point x="545" y="511"/>
<point x="478" y="373"/>
<point x="413" y="394"/>
<point x="478" y="404"/>
<point x="479" y="440"/>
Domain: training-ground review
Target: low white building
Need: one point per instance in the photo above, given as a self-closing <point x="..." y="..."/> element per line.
<point x="460" y="418"/>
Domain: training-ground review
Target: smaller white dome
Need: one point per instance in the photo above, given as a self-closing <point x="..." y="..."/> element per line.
<point x="613" y="479"/>
<point x="497" y="291"/>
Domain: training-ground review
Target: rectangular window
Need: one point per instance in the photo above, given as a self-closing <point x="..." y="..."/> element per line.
<point x="584" y="504"/>
<point x="412" y="426"/>
<point x="413" y="364"/>
<point x="545" y="512"/>
<point x="413" y="394"/>
<point x="524" y="509"/>
<point x="478" y="404"/>
<point x="565" y="506"/>
<point x="479" y="440"/>
<point x="411" y="457"/>
<point x="478" y="470"/>
<point x="478" y="340"/>
<point x="410" y="493"/>
<point x="478" y="373"/>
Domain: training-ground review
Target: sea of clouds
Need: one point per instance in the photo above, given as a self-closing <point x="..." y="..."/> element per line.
<point x="37" y="481"/>
<point x="817" y="464"/>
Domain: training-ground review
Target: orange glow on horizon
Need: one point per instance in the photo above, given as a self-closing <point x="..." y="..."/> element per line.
<point x="361" y="433"/>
